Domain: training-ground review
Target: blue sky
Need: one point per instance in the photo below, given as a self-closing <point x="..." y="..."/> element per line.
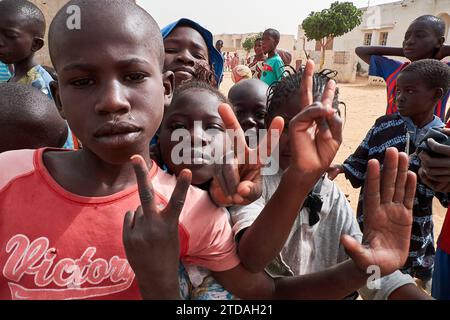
<point x="241" y="16"/>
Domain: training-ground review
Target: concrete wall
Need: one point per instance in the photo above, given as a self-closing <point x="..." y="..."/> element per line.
<point x="393" y="18"/>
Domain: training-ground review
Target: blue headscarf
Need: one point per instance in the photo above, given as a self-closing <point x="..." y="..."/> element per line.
<point x="215" y="58"/>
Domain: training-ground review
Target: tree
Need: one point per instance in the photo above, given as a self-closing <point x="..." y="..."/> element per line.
<point x="249" y="42"/>
<point x="327" y="24"/>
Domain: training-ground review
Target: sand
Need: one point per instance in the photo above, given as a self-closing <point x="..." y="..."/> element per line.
<point x="365" y="103"/>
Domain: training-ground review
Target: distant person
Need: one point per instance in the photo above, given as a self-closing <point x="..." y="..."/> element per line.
<point x="240" y="72"/>
<point x="26" y="25"/>
<point x="29" y="119"/>
<point x="256" y="62"/>
<point x="219" y="46"/>
<point x="285" y="55"/>
<point x="274" y="66"/>
<point x="234" y="61"/>
<point x="424" y="39"/>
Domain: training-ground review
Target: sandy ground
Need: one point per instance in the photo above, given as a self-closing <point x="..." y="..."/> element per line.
<point x="364" y="105"/>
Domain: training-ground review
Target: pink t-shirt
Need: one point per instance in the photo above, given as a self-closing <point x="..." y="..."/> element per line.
<point x="58" y="245"/>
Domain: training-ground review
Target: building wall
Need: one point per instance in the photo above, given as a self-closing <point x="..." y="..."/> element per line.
<point x="393" y="18"/>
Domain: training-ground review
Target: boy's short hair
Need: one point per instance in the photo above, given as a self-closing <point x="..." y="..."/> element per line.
<point x="433" y="73"/>
<point x="436" y="23"/>
<point x="274" y="34"/>
<point x="199" y="86"/>
<point x="32" y="14"/>
<point x="281" y="91"/>
<point x="93" y="9"/>
<point x="29" y="119"/>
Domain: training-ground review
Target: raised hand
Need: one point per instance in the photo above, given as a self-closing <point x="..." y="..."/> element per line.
<point x="435" y="172"/>
<point x="239" y="182"/>
<point x="334" y="170"/>
<point x="387" y="215"/>
<point x="315" y="134"/>
<point x="150" y="236"/>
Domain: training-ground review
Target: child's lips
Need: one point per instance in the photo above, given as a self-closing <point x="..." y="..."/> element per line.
<point x="117" y="134"/>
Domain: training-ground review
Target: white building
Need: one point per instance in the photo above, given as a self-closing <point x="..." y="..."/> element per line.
<point x="384" y="24"/>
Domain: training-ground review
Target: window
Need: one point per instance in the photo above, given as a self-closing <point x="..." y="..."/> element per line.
<point x="383" y="38"/>
<point x="367" y="39"/>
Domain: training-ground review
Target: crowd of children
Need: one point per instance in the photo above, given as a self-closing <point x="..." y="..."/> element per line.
<point x="96" y="204"/>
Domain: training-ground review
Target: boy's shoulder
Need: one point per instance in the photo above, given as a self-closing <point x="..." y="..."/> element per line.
<point x="388" y="118"/>
<point x="15" y="164"/>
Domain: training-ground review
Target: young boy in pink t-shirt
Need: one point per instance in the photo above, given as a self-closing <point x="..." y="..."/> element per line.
<point x="61" y="212"/>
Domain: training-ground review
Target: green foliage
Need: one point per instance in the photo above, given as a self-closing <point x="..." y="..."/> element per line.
<point x="336" y="21"/>
<point x="249" y="42"/>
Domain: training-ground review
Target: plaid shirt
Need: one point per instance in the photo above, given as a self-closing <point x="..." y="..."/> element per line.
<point x="399" y="132"/>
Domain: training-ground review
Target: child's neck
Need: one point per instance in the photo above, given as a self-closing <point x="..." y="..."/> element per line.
<point x="22" y="67"/>
<point x="421" y="120"/>
<point x="84" y="173"/>
<point x="271" y="53"/>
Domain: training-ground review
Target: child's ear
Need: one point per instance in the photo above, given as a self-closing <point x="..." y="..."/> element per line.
<point x="37" y="44"/>
<point x="54" y="88"/>
<point x="438" y="93"/>
<point x="169" y="86"/>
<point x="441" y="41"/>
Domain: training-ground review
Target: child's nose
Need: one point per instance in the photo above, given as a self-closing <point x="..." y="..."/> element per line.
<point x="112" y="99"/>
<point x="186" y="58"/>
<point x="198" y="136"/>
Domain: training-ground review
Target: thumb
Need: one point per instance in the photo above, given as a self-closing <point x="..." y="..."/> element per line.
<point x="354" y="250"/>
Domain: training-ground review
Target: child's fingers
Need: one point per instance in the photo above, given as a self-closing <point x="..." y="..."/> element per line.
<point x="270" y="141"/>
<point x="145" y="187"/>
<point x="306" y="87"/>
<point x="438" y="148"/>
<point x="410" y="190"/>
<point x="335" y="125"/>
<point x="372" y="186"/>
<point x="128" y="222"/>
<point x="328" y="94"/>
<point x="232" y="124"/>
<point x="402" y="174"/>
<point x="178" y="198"/>
<point x="306" y="118"/>
<point x="230" y="174"/>
<point x="388" y="175"/>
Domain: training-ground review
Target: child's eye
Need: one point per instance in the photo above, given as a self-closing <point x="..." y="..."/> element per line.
<point x="135" y="77"/>
<point x="82" y="82"/>
<point x="11" y="35"/>
<point x="177" y="125"/>
<point x="170" y="50"/>
<point x="214" y="129"/>
<point x="199" y="56"/>
<point x="410" y="91"/>
<point x="261" y="114"/>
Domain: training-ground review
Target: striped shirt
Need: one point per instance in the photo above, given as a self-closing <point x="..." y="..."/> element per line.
<point x="400" y="132"/>
<point x="4" y="72"/>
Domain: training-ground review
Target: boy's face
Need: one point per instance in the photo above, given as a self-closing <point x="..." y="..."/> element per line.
<point x="414" y="98"/>
<point x="288" y="110"/>
<point x="250" y="106"/>
<point x="258" y="47"/>
<point x="268" y="43"/>
<point x="197" y="113"/>
<point x="185" y="49"/>
<point x="421" y="41"/>
<point x="111" y="90"/>
<point x="17" y="42"/>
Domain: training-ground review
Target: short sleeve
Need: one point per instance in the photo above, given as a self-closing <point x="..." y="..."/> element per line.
<point x="211" y="243"/>
<point x="242" y="217"/>
<point x="383" y="67"/>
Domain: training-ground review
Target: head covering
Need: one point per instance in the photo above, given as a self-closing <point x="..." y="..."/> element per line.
<point x="216" y="59"/>
<point x="241" y="72"/>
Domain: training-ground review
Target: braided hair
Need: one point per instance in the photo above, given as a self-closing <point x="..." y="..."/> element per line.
<point x="280" y="91"/>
